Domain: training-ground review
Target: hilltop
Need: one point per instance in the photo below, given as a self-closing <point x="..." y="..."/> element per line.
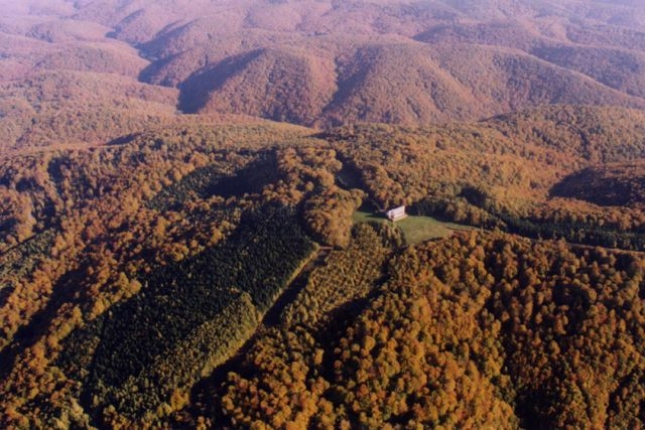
<point x="230" y="253"/>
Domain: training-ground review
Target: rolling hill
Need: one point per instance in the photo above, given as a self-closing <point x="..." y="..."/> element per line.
<point x="192" y="198"/>
<point x="230" y="253"/>
<point x="328" y="63"/>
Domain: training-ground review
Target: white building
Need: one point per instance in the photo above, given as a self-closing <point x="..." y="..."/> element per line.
<point x="396" y="214"/>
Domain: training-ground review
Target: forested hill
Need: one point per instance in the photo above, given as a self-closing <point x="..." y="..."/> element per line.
<point x="483" y="330"/>
<point x="191" y="214"/>
<point x="132" y="272"/>
<point x="86" y="72"/>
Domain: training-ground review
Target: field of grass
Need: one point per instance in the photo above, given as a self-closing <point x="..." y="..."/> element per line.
<point x="416" y="229"/>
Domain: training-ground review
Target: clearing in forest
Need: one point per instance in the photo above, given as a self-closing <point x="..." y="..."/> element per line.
<point x="416" y="228"/>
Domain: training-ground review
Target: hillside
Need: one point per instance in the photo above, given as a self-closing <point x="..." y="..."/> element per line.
<point x="63" y="107"/>
<point x="450" y="75"/>
<point x="480" y="331"/>
<point x="192" y="200"/>
<point x="295" y="61"/>
<point x="614" y="184"/>
<point x="203" y="242"/>
<point x="286" y="87"/>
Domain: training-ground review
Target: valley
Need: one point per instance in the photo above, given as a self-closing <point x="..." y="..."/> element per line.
<point x="72" y="73"/>
<point x="192" y="198"/>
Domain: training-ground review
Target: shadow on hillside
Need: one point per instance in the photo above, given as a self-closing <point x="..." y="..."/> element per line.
<point x="586" y="185"/>
<point x="122" y="140"/>
<point x="39" y="324"/>
<point x="195" y="92"/>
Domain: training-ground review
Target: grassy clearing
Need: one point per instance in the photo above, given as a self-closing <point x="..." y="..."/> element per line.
<point x="416" y="229"/>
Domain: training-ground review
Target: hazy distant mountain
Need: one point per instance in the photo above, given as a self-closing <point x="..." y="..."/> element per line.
<point x="329" y="62"/>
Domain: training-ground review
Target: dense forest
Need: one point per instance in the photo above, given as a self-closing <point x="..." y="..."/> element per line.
<point x="218" y="276"/>
<point x="193" y="229"/>
<point x="481" y="330"/>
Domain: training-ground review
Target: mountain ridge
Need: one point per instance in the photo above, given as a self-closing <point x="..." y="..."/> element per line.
<point x="414" y="64"/>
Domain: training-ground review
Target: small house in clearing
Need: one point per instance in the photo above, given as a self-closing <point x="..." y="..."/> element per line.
<point x="396" y="214"/>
